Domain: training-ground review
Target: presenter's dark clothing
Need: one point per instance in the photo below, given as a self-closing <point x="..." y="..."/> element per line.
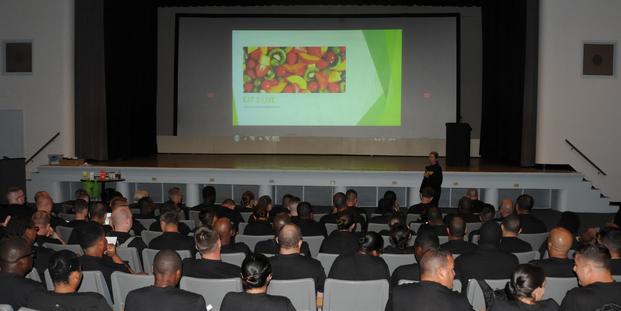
<point x="310" y="227"/>
<point x="515" y="245"/>
<point x="259" y="227"/>
<point x="16" y="289"/>
<point x="420" y="208"/>
<point x="458" y="246"/>
<point x="238" y="247"/>
<point x="173" y="240"/>
<point x="170" y="298"/>
<point x="271" y="247"/>
<point x="104" y="264"/>
<point x="531" y="224"/>
<point x="405" y="272"/>
<point x="209" y="269"/>
<point x="255" y="302"/>
<point x="486" y="262"/>
<point x="340" y="242"/>
<point x="359" y="267"/>
<point x="183" y="228"/>
<point x="394" y="250"/>
<point x="515" y="305"/>
<point x="434" y="181"/>
<point x="51" y="301"/>
<point x="592" y="297"/>
<point x="296" y="266"/>
<point x="556" y="267"/>
<point x="426" y="296"/>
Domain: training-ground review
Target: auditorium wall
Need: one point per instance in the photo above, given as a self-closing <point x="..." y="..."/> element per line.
<point x="582" y="109"/>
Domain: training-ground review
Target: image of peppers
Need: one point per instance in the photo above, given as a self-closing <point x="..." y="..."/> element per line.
<point x="313" y="69"/>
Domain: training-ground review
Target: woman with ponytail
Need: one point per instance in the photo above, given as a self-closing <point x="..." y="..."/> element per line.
<point x="256" y="273"/>
<point x="400" y="237"/>
<point x="525" y="291"/>
<point x="365" y="264"/>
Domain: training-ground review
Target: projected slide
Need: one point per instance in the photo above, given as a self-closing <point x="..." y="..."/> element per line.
<point x="317" y="78"/>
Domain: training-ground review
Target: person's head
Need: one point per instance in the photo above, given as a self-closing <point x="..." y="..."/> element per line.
<point x="426" y="195"/>
<point x="290" y="239"/>
<point x="285" y="200"/>
<point x="457" y="228"/>
<point x="511" y="226"/>
<point x="472" y="194"/>
<point x="371" y="243"/>
<point x="612" y="240"/>
<point x="92" y="239"/>
<point x="207" y="242"/>
<point x="433" y="157"/>
<point x="385" y="206"/>
<point x="280" y="221"/>
<point x="425" y="241"/>
<point x="118" y="202"/>
<point x="260" y="213"/>
<point x="506" y="208"/>
<point x="527" y="283"/>
<point x="248" y="200"/>
<point x="339" y="201"/>
<point x="305" y="210"/>
<point x="44" y="202"/>
<point x="139" y="194"/>
<point x="487" y="213"/>
<point x="464" y="206"/>
<point x="390" y="195"/>
<point x="15" y="195"/>
<point x="560" y="241"/>
<point x="438" y="266"/>
<point x="256" y="273"/>
<point x="147" y="206"/>
<point x="169" y="222"/>
<point x="352" y="197"/>
<point x="22" y="226"/>
<point x="396" y="219"/>
<point x="524" y="204"/>
<point x="229" y="203"/>
<point x="592" y="264"/>
<point x="97" y="213"/>
<point x="65" y="270"/>
<point x="41" y="220"/>
<point x="175" y="195"/>
<point x="209" y="195"/>
<point x="345" y="222"/>
<point x="434" y="216"/>
<point x="224" y="227"/>
<point x="293" y="206"/>
<point x="490" y="234"/>
<point x="208" y="217"/>
<point x="15" y="256"/>
<point x="570" y="221"/>
<point x="80" y="207"/>
<point x="80" y="193"/>
<point x="121" y="219"/>
<point x="167" y="268"/>
<point x="400" y="236"/>
<point x="169" y="206"/>
<point x="265" y="202"/>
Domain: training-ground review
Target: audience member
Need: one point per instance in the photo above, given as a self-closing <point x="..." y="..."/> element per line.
<point x="171" y="238"/>
<point x="343" y="240"/>
<point x="526" y="289"/>
<point x="270" y="246"/>
<point x="44" y="203"/>
<point x="169" y="207"/>
<point x="15" y="261"/>
<point x="16" y="206"/>
<point x="45" y="232"/>
<point x="97" y="213"/>
<point x="530" y="224"/>
<point x="400" y="237"/>
<point x="283" y="208"/>
<point x="293" y="207"/>
<point x="426" y="197"/>
<point x="424" y="242"/>
<point x="363" y="265"/>
<point x="395" y="220"/>
<point x="571" y="222"/>
<point x="506" y="208"/>
<point x="227" y="209"/>
<point x="351" y="200"/>
<point x="611" y="239"/>
<point x="464" y="209"/>
<point x="477" y="205"/>
<point x="434" y="222"/>
<point x="260" y="224"/>
<point x="210" y="265"/>
<point x="339" y="202"/>
<point x="486" y="214"/>
<point x="122" y="220"/>
<point x="248" y="201"/>
<point x="558" y="245"/>
<point x="226" y="232"/>
<point x="307" y="224"/>
<point x="510" y="230"/>
<point x="139" y="194"/>
<point x="121" y="202"/>
<point x="456" y="233"/>
<point x="147" y="208"/>
<point x="25" y="228"/>
<point x="389" y="210"/>
<point x="209" y="199"/>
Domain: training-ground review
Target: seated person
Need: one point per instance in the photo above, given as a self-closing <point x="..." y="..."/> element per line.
<point x="209" y="200"/>
<point x="66" y="275"/>
<point x="80" y="208"/>
<point x="343" y="240"/>
<point x="227" y="209"/>
<point x="597" y="288"/>
<point x="486" y="214"/>
<point x="122" y="221"/>
<point x="307" y="224"/>
<point x="256" y="275"/>
<point x="388" y="208"/>
<point x="400" y="237"/>
<point x="477" y="205"/>
<point x="456" y="233"/>
<point x="339" y="201"/>
<point x="25" y="228"/>
<point x="571" y="222"/>
<point x="15" y="262"/>
<point x="98" y="254"/>
<point x="558" y="264"/>
<point x="44" y="203"/>
<point x="121" y="202"/>
<point x="208" y="217"/>
<point x="248" y="202"/>
<point x="506" y="208"/>
<point x="426" y="197"/>
<point x="97" y="213"/>
<point x="283" y="208"/>
<point x="169" y="207"/>
<point x="270" y="246"/>
<point x="293" y="207"/>
<point x="260" y="225"/>
<point x="434" y="291"/>
<point x="45" y="232"/>
<point x="510" y="230"/>
<point x="289" y="264"/>
<point x="526" y="289"/>
<point x="351" y="200"/>
<point x="611" y="239"/>
<point x="395" y="220"/>
<point x="424" y="242"/>
<point x="225" y="230"/>
<point x="171" y="238"/>
<point x="147" y="208"/>
<point x="434" y="222"/>
<point x="164" y="294"/>
<point x="529" y="223"/>
<point x="464" y="209"/>
<point x="210" y="265"/>
<point x="363" y="265"/>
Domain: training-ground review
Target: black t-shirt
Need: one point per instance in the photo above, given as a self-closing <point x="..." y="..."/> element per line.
<point x="435" y="179"/>
<point x="356" y="216"/>
<point x="440" y="230"/>
<point x="57" y="221"/>
<point x="238" y="247"/>
<point x="255" y="302"/>
<point x="182" y="227"/>
<point x="310" y="227"/>
<point x="615" y="266"/>
<point x="531" y="224"/>
<point x="515" y="305"/>
<point x="394" y="250"/>
<point x="592" y="297"/>
<point x="16" y="289"/>
<point x="234" y="216"/>
<point x="42" y="259"/>
<point x="359" y="267"/>
<point x="340" y="242"/>
<point x="420" y="208"/>
<point x="44" y="239"/>
<point x="271" y="247"/>
<point x="459" y="246"/>
<point x="74" y="237"/>
<point x="515" y="245"/>
<point x="209" y="269"/>
<point x="296" y="266"/>
<point x="163" y="299"/>
<point x="405" y="272"/>
<point x="104" y="264"/>
<point x="137" y="227"/>
<point x="426" y="296"/>
<point x="51" y="301"/>
<point x="486" y="262"/>
<point x="477" y="206"/>
<point x="173" y="240"/>
<point x="75" y="223"/>
<point x="467" y="217"/>
<point x="204" y="207"/>
<point x="556" y="267"/>
<point x="259" y="227"/>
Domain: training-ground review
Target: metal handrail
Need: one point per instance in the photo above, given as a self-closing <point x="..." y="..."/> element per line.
<point x="42" y="147"/>
<point x="573" y="147"/>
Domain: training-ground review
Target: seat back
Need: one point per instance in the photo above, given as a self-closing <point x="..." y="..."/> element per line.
<point x="193" y="215"/>
<point x="48" y="280"/>
<point x="147" y="222"/>
<point x="34" y="275"/>
<point x="189" y="222"/>
<point x="246" y="215"/>
<point x="94" y="281"/>
<point x="415" y="226"/>
<point x="6" y="308"/>
<point x="556" y="288"/>
<point x="213" y="290"/>
<point x="475" y="294"/>
<point x="355" y="295"/>
<point x="241" y="226"/>
<point x="377" y="227"/>
<point x="326" y="260"/>
<point x="617" y="278"/>
<point x="66" y="216"/>
<point x="330" y="227"/>
<point x="395" y="260"/>
<point x="456" y="284"/>
<point x="534" y="239"/>
<point x="123" y="283"/>
<point x="442" y="239"/>
<point x="64" y="232"/>
<point x="148" y="235"/>
<point x="411" y="218"/>
<point x="251" y="240"/>
<point x="386" y="239"/>
<point x="471" y="226"/>
<point x="130" y="254"/>
<point x="526" y="257"/>
<point x="234" y="258"/>
<point x="475" y="238"/>
<point x="301" y="292"/>
<point x="72" y="247"/>
<point x="317" y="217"/>
<point x="314" y="244"/>
<point x="148" y="256"/>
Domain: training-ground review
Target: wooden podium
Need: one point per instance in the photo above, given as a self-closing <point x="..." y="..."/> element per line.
<point x="13" y="175"/>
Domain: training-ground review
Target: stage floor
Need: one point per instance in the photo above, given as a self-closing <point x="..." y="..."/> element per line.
<point x="313" y="163"/>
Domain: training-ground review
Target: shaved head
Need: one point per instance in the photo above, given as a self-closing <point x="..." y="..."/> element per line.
<point x="167" y="262"/>
<point x="506" y="208"/>
<point x="437" y="266"/>
<point x="289" y="236"/>
<point x="121" y="215"/>
<point x="14" y="257"/>
<point x="223" y="226"/>
<point x="560" y="241"/>
<point x="280" y="221"/>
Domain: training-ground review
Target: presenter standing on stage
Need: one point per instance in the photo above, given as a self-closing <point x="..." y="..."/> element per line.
<point x="433" y="177"/>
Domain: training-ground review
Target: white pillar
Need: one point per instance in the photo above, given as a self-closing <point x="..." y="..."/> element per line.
<point x="123" y="188"/>
<point x="491" y="196"/>
<point x="413" y="196"/>
<point x="55" y="191"/>
<point x="266" y="190"/>
<point x="340" y="189"/>
<point x="192" y="194"/>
